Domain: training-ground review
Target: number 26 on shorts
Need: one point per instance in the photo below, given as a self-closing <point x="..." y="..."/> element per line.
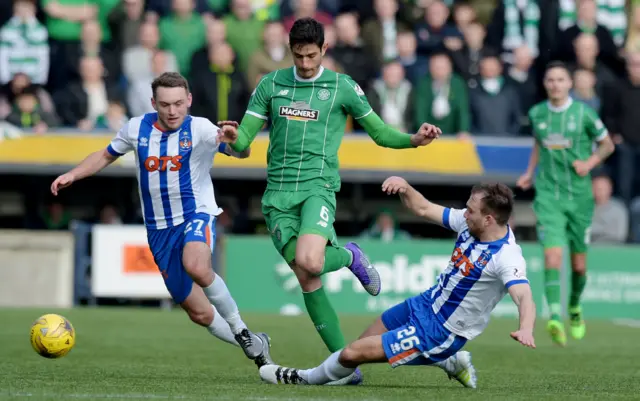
<point x="408" y="339"/>
<point x="324" y="217"/>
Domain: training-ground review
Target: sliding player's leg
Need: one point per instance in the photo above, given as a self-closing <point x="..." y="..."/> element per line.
<point x="579" y="236"/>
<point x="551" y="225"/>
<point x="198" y="241"/>
<point x="337" y="366"/>
<point x="408" y="344"/>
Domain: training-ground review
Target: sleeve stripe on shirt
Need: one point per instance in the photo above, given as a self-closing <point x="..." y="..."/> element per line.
<point x="113" y="152"/>
<point x="514" y="282"/>
<point x="602" y="136"/>
<point x="445" y="217"/>
<point x="260" y="116"/>
<point x="369" y="112"/>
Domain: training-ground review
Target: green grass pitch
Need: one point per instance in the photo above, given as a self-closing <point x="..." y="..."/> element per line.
<point x="146" y="354"/>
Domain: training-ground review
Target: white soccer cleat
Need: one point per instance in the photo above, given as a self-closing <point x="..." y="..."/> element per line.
<point x="275" y="374"/>
<point x="459" y="367"/>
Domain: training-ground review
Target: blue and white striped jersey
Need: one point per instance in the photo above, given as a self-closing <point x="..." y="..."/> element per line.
<point x="173" y="167"/>
<point x="476" y="278"/>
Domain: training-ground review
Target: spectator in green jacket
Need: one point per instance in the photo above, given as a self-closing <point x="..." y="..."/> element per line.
<point x="183" y="33"/>
<point x="441" y="98"/>
<point x="244" y="32"/>
<point x="385" y="228"/>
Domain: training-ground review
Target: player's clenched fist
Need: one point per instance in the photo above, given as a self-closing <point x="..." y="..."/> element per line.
<point x="226" y="122"/>
<point x="425" y="135"/>
<point x="228" y="133"/>
<point x="394" y="185"/>
<point x="525" y="181"/>
<point x="62" y="182"/>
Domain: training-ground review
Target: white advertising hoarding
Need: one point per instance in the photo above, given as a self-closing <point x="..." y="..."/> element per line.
<point x="122" y="264"/>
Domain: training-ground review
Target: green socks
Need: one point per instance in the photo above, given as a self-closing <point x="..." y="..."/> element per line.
<point x="552" y="292"/>
<point x="578" y="282"/>
<point x="324" y="318"/>
<point x="335" y="258"/>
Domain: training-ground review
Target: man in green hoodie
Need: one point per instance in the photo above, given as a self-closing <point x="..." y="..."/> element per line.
<point x="385" y="228"/>
<point x="441" y="98"/>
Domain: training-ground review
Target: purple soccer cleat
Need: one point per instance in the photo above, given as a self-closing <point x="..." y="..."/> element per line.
<point x="364" y="270"/>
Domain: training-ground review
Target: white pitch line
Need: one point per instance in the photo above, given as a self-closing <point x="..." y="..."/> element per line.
<point x="628" y="323"/>
<point x="133" y="396"/>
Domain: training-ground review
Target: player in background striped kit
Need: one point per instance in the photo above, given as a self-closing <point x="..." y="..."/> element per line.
<point x="174" y="154"/>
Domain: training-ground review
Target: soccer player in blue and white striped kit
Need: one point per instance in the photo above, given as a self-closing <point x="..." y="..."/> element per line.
<point x="174" y="154"/>
<point x="433" y="327"/>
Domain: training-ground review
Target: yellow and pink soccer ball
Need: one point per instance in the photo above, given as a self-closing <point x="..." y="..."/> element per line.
<point x="52" y="336"/>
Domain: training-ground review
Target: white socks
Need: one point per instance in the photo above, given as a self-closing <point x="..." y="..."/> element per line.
<point x="220" y="328"/>
<point x="219" y="296"/>
<point x="330" y="370"/>
<point x="446" y="365"/>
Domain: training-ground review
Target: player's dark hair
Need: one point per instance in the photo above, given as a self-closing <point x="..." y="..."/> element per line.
<point x="169" y="80"/>
<point x="306" y="31"/>
<point x="497" y="201"/>
<point x="557" y="64"/>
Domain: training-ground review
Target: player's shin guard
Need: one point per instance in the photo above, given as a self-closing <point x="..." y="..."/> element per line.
<point x="335" y="258"/>
<point x="219" y="296"/>
<point x="324" y="318"/>
<point x="330" y="370"/>
<point x="220" y="328"/>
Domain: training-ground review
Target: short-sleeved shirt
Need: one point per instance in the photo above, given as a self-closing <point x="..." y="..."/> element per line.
<point x="173" y="167"/>
<point x="477" y="277"/>
<point x="564" y="134"/>
<point x="308" y="119"/>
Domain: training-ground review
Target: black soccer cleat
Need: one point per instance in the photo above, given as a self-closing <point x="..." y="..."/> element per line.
<point x="250" y="343"/>
<point x="265" y="357"/>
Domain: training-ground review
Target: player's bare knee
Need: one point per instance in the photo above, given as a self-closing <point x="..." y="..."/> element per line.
<point x="202" y="317"/>
<point x="350" y="356"/>
<point x="553" y="259"/>
<point x="310" y="262"/>
<point x="197" y="263"/>
<point x="579" y="265"/>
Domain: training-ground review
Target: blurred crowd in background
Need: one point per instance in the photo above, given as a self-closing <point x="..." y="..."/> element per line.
<point x="472" y="67"/>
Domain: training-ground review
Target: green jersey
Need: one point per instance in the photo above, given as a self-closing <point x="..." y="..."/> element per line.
<point x="564" y="134"/>
<point x="308" y="118"/>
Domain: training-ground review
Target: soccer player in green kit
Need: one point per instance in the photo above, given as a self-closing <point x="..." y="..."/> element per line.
<point x="565" y="131"/>
<point x="308" y="106"/>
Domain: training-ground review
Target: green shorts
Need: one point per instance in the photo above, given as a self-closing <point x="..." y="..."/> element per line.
<point x="291" y="214"/>
<point x="561" y="223"/>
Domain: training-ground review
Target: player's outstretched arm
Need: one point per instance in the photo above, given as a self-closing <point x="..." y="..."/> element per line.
<point x="228" y="150"/>
<point x="240" y="137"/>
<point x="521" y="295"/>
<point x="526" y="180"/>
<point x="388" y="137"/>
<point x="91" y="165"/>
<point x="413" y="200"/>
